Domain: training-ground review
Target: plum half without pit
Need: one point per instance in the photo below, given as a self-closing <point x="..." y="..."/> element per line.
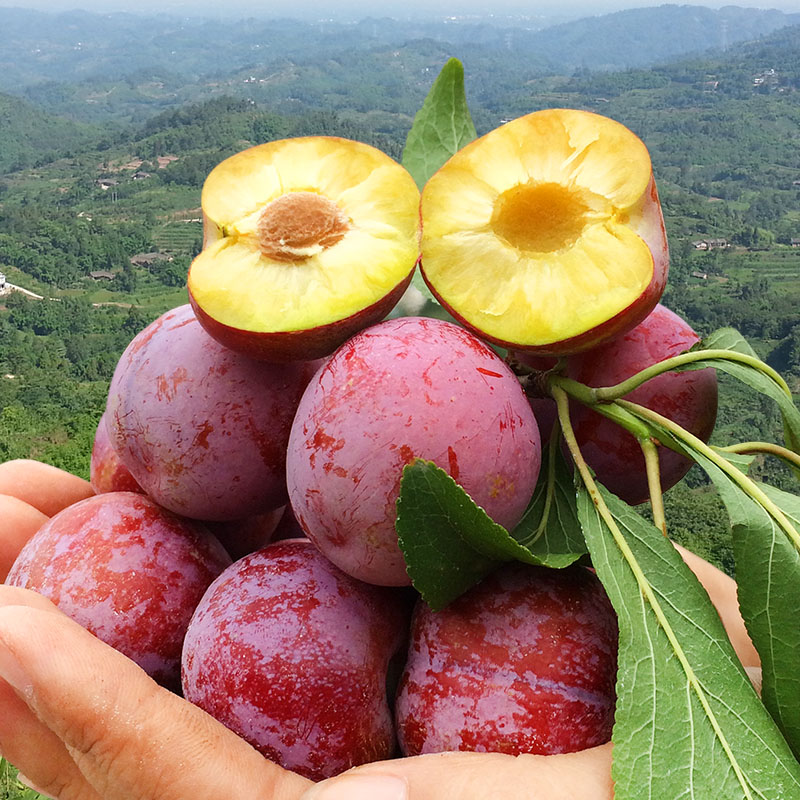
<point x="307" y="241"/>
<point x="546" y="234"/>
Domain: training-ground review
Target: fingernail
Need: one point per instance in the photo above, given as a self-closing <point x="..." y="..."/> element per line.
<point x="12" y="673"/>
<point x="359" y="787"/>
<point x="25" y="781"/>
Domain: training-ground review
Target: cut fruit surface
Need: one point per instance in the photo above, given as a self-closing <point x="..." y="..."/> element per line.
<point x="317" y="234"/>
<point x="546" y="234"/>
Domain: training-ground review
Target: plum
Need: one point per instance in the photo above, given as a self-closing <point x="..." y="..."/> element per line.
<point x="316" y="236"/>
<point x="404" y="389"/>
<point x="292" y="654"/>
<point x="127" y="570"/>
<point x="106" y="472"/>
<point x="546" y="234"/>
<point x="688" y="398"/>
<point x="524" y="662"/>
<point x="202" y="429"/>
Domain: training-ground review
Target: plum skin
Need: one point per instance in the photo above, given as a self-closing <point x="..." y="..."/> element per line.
<point x="292" y="654"/>
<point x="202" y="429"/>
<point x="303" y="345"/>
<point x="128" y="571"/>
<point x="525" y="662"/>
<point x="107" y="472"/>
<point x="407" y="388"/>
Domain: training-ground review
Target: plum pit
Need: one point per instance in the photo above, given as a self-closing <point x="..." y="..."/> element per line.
<point x="297" y="225"/>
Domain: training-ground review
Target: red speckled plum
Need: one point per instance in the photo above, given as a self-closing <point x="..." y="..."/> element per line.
<point x="688" y="398"/>
<point x="405" y="389"/>
<point x="292" y="654"/>
<point x="128" y="571"/>
<point x="525" y="662"/>
<point x="106" y="472"/>
<point x="202" y="429"/>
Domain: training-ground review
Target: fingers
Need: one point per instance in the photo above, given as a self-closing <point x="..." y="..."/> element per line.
<point x="722" y="591"/>
<point x="46" y="488"/>
<point x="18" y="522"/>
<point x="104" y="729"/>
<point x="476" y="776"/>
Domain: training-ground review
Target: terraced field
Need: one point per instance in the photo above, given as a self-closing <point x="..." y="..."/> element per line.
<point x="178" y="237"/>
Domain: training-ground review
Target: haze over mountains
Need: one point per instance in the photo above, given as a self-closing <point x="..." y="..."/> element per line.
<point x="73" y="46"/>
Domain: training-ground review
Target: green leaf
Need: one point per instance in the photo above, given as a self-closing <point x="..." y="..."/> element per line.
<point x="450" y="543"/>
<point x="730" y="339"/>
<point x="768" y="574"/>
<point x="688" y="722"/>
<point x="432" y="512"/>
<point x="550" y="530"/>
<point x="441" y="127"/>
<point x="766" y="545"/>
<point x="726" y="339"/>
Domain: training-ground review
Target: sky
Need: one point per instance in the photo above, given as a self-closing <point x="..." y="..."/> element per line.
<point x="357" y="9"/>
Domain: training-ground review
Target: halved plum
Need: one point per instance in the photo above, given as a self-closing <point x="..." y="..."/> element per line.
<point x="546" y="234"/>
<point x="308" y="241"/>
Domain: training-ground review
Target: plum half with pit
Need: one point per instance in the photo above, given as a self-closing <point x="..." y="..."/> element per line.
<point x="307" y="240"/>
<point x="292" y="654"/>
<point x="126" y="569"/>
<point x="524" y="662"/>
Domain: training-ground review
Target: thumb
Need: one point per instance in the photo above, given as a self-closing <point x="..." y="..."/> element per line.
<point x="476" y="776"/>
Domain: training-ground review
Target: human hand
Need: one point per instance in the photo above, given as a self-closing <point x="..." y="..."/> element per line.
<point x="83" y="722"/>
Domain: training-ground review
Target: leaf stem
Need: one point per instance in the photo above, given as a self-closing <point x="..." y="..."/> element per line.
<point x="644" y="584"/>
<point x="746" y="448"/>
<point x="585" y="394"/>
<point x="651" y="461"/>
<point x="607" y="393"/>
<point x="746" y="484"/>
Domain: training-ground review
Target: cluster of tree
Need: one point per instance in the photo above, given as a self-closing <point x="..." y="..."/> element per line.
<point x="32" y="137"/>
<point x="56" y="360"/>
<point x="57" y="248"/>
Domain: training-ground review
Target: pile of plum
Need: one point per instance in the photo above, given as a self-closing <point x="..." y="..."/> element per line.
<point x="303" y="646"/>
<point x="242" y="544"/>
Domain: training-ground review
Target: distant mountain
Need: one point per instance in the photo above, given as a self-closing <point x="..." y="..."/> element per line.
<point x="646" y="36"/>
<point x="29" y="136"/>
<point x="70" y="47"/>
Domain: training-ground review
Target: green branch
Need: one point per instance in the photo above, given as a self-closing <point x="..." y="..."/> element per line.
<point x="746" y="484"/>
<point x="653" y="467"/>
<point x="609" y="393"/>
<point x="768" y="448"/>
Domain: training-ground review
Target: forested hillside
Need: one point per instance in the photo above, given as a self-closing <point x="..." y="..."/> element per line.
<point x="30" y="136"/>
